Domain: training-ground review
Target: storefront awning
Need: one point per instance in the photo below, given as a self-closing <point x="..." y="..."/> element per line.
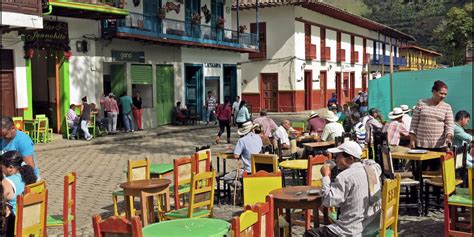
<point x="85" y="10"/>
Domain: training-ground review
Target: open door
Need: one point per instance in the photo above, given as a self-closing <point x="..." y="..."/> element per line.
<point x="308" y="90"/>
<point x="164" y="93"/>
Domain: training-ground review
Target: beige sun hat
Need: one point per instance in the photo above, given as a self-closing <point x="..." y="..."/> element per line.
<point x="396" y="113"/>
<point x="405" y="108"/>
<point x="331" y="117"/>
<point x="313" y="114"/>
<point x="246" y="128"/>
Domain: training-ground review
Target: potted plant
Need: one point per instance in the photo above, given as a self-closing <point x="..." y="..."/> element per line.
<point x="242" y="28"/>
<point x="162" y="13"/>
<point x="220" y="22"/>
<point x="196" y="18"/>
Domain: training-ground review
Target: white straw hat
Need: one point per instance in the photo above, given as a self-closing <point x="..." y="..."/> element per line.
<point x="396" y="113"/>
<point x="331" y="117"/>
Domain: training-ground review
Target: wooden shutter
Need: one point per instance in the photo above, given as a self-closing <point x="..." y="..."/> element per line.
<point x="262" y="38"/>
<point x="141" y="74"/>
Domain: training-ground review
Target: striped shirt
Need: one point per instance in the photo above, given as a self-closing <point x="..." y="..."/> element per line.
<point x="359" y="130"/>
<point x="432" y="123"/>
<point x="350" y="193"/>
<point x="394" y="129"/>
<point x="371" y="126"/>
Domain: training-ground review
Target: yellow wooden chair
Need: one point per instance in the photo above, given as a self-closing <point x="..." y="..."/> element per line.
<point x="452" y="199"/>
<point x="267" y="162"/>
<point x="201" y="198"/>
<point x="245" y="225"/>
<point x="390" y="204"/>
<point x="137" y="170"/>
<point x="31" y="214"/>
<point x="37" y="187"/>
<point x="258" y="185"/>
<point x="69" y="207"/>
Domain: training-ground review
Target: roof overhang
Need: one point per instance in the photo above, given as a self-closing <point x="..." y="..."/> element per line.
<point x="85" y="10"/>
<point x="428" y="51"/>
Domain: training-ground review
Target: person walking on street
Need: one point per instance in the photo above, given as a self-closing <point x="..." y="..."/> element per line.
<point x="224" y="114"/>
<point x="243" y="114"/>
<point x="85" y="118"/>
<point x="127" y="104"/>
<point x="211" y="103"/>
<point x="235" y="108"/>
<point x="111" y="106"/>
<point x="137" y="110"/>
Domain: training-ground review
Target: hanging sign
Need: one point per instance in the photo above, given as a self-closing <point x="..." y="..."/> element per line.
<point x="128" y="56"/>
<point x="213" y="65"/>
<point x="53" y="35"/>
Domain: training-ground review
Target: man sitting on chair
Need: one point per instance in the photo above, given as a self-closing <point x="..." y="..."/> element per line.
<point x="355" y="193"/>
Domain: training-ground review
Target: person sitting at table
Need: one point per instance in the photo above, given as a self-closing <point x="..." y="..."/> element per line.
<point x="395" y="129"/>
<point x="72" y="121"/>
<point x="373" y="124"/>
<point x="15" y="140"/>
<point x="315" y="123"/>
<point x="355" y="193"/>
<point x="460" y="135"/>
<point x="358" y="128"/>
<point x="267" y="124"/>
<point x="332" y="129"/>
<point x="406" y="119"/>
<point x="179" y="114"/>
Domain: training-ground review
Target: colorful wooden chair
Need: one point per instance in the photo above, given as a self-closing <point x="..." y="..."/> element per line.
<point x="453" y="200"/>
<point x="202" y="161"/>
<point x="69" y="207"/>
<point x="201" y="198"/>
<point x="117" y="226"/>
<point x="137" y="170"/>
<point x="182" y="170"/>
<point x="31" y="214"/>
<point x="266" y="162"/>
<point x="37" y="187"/>
<point x="299" y="126"/>
<point x="390" y="203"/>
<point x="266" y="218"/>
<point x="245" y="225"/>
<point x="314" y="178"/>
<point x="258" y="185"/>
<point x="20" y="124"/>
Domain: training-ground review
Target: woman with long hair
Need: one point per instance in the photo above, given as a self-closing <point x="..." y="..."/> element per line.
<point x="243" y="114"/>
<point x="224" y="114"/>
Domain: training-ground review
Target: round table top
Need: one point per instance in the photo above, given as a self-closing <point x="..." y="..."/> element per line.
<point x="146" y="184"/>
<point x="295" y="193"/>
<point x="294" y="164"/>
<point x="160" y="168"/>
<point x="196" y="227"/>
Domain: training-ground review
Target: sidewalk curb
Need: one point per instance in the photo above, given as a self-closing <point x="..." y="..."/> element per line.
<point x="121" y="138"/>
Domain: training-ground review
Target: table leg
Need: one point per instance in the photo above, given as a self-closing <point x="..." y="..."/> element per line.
<point x="218" y="181"/>
<point x="418" y="174"/>
<point x="143" y="203"/>
<point x="288" y="219"/>
<point x="276" y="228"/>
<point x="150" y="209"/>
<point x="326" y="215"/>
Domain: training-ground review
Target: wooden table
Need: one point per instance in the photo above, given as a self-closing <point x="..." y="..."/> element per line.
<point x="195" y="227"/>
<point x="161" y="170"/>
<point x="145" y="190"/>
<point x="416" y="165"/>
<point x="296" y="197"/>
<point x="312" y="147"/>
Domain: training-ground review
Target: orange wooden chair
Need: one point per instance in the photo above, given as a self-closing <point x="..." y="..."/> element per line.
<point x="202" y="161"/>
<point x="37" y="187"/>
<point x="266" y="217"/>
<point x="31" y="214"/>
<point x="314" y="178"/>
<point x="69" y="207"/>
<point x="117" y="225"/>
<point x="245" y="225"/>
<point x="182" y="170"/>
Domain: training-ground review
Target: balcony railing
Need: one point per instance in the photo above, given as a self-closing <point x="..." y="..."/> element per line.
<point x="366" y="58"/>
<point x="355" y="57"/>
<point x="385" y="60"/>
<point x="310" y="51"/>
<point x="341" y="55"/>
<point x="325" y="53"/>
<point x="30" y="7"/>
<point x="152" y="27"/>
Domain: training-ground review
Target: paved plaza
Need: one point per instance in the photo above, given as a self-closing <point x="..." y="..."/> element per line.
<point x="100" y="166"/>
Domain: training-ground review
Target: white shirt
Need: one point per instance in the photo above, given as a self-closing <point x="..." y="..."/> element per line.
<point x="282" y="134"/>
<point x="331" y="131"/>
<point x="406" y="120"/>
<point x="235" y="107"/>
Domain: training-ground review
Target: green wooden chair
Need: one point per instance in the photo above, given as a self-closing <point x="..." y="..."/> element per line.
<point x="91" y="126"/>
<point x="299" y="126"/>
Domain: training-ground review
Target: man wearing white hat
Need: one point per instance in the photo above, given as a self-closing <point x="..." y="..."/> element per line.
<point x="315" y="123"/>
<point x="332" y="129"/>
<point x="395" y="128"/>
<point x="406" y="119"/>
<point x="355" y="193"/>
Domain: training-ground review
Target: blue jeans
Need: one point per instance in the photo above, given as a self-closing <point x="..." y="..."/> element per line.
<point x="208" y="115"/>
<point x="73" y="127"/>
<point x="128" y="122"/>
<point x="85" y="129"/>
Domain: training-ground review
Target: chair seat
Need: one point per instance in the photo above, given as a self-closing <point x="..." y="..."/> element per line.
<point x="431" y="174"/>
<point x="460" y="200"/>
<point x="57" y="220"/>
<point x="183" y="213"/>
<point x="118" y="193"/>
<point x="438" y="181"/>
<point x="408" y="182"/>
<point x="462" y="191"/>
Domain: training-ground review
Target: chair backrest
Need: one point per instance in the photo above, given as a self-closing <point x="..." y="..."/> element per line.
<point x="266" y="162"/>
<point x="299" y="126"/>
<point x="116" y="225"/>
<point x="449" y="173"/>
<point x="19" y="123"/>
<point x="69" y="197"/>
<point x="314" y="166"/>
<point x="202" y="193"/>
<point x="31" y="214"/>
<point x="138" y="169"/>
<point x="182" y="170"/>
<point x="460" y="155"/>
<point x="40" y="116"/>
<point x="37" y="187"/>
<point x="387" y="163"/>
<point x="265" y="220"/>
<point x="43" y="124"/>
<point x="258" y="185"/>
<point x="390" y="204"/>
<point x="202" y="160"/>
<point x="245" y="225"/>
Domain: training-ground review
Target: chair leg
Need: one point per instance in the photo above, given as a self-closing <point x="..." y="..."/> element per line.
<point x="66" y="228"/>
<point x="73" y="227"/>
<point x="427" y="198"/>
<point x="114" y="199"/>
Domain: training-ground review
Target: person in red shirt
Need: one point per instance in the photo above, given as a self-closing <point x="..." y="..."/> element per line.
<point x="224" y="114"/>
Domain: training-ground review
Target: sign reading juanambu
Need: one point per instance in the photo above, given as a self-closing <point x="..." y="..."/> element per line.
<point x="128" y="56"/>
<point x="53" y="33"/>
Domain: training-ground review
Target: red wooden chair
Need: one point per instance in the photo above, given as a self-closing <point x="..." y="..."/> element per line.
<point x="314" y="178"/>
<point x="265" y="218"/>
<point x="69" y="207"/>
<point x="182" y="170"/>
<point x="116" y="225"/>
<point x="245" y="225"/>
<point x="202" y="161"/>
<point x="31" y="214"/>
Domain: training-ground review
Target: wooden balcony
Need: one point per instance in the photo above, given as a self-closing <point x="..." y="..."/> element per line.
<point x="310" y="51"/>
<point x="341" y="55"/>
<point x="29" y="7"/>
<point x="354" y="57"/>
<point x="325" y="53"/>
<point x="366" y="58"/>
<point x="261" y="54"/>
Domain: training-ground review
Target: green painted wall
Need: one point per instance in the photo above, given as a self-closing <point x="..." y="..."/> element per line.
<point x="28" y="113"/>
<point x="64" y="92"/>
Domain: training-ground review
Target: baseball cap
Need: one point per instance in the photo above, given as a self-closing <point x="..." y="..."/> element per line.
<point x="350" y="147"/>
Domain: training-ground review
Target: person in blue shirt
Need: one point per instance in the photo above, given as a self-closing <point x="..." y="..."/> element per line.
<point x="15" y="140"/>
<point x="332" y="100"/>
<point x="460" y="135"/>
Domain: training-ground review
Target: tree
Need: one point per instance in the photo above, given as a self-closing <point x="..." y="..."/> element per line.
<point x="455" y="33"/>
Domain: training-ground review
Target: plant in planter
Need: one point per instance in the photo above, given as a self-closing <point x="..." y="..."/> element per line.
<point x="220" y="22"/>
<point x="162" y="13"/>
<point x="196" y="18"/>
<point x="242" y="28"/>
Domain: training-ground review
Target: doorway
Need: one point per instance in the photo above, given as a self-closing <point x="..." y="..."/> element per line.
<point x="164" y="93"/>
<point x="352" y="86"/>
<point x="230" y="82"/>
<point x="270" y="91"/>
<point x="7" y="84"/>
<point x="194" y="89"/>
<point x="213" y="84"/>
<point x="323" y="87"/>
<point x="338" y="88"/>
<point x="364" y="82"/>
<point x="308" y="90"/>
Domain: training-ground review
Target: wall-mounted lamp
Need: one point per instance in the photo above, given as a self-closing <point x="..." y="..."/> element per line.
<point x="330" y="67"/>
<point x="303" y="66"/>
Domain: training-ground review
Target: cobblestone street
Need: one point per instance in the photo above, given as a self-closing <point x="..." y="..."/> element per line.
<point x="100" y="169"/>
